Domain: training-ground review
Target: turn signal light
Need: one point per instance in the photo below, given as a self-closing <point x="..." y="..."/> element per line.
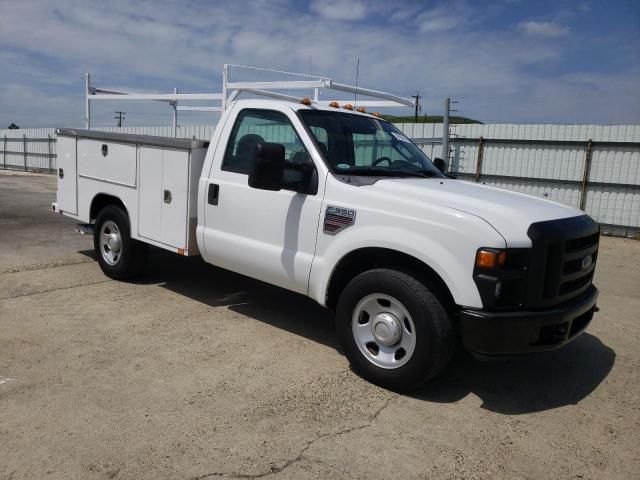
<point x="490" y="258"/>
<point x="305" y="101"/>
<point x="334" y="105"/>
<point x="348" y="106"/>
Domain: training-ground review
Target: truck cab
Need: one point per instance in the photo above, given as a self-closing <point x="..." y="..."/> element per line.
<point x="341" y="206"/>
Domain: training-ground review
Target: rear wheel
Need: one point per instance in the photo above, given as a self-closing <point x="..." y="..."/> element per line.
<point x="120" y="257"/>
<point x="394" y="329"/>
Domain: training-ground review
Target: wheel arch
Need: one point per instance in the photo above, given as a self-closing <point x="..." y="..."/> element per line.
<point x="102" y="200"/>
<point x="367" y="258"/>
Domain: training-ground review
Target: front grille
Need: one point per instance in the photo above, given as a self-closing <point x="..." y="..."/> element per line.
<point x="582" y="243"/>
<point x="563" y="259"/>
<point x="573" y="285"/>
<point x="570" y="266"/>
<point x="579" y="262"/>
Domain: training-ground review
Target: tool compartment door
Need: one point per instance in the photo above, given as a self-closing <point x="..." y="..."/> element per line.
<point x="150" y="193"/>
<point x="163" y="196"/>
<point x="67" y="194"/>
<point x="107" y="161"/>
<point x="175" y="194"/>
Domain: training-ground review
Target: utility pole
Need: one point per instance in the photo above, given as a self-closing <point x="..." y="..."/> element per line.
<point x="445" y="129"/>
<point x="87" y="102"/>
<point x="120" y="117"/>
<point x="417" y="96"/>
<point x="174" y="123"/>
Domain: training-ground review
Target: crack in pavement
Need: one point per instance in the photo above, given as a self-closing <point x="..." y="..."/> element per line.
<point x="301" y="455"/>
<point x="43" y="266"/>
<point x="55" y="290"/>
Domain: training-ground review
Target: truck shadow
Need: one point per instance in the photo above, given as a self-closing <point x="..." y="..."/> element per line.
<point x="506" y="385"/>
<point x="216" y="287"/>
<point x="525" y="384"/>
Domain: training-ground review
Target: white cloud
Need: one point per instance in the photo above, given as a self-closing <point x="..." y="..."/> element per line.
<point x="594" y="98"/>
<point x="158" y="45"/>
<point x="339" y="9"/>
<point x="404" y="13"/>
<point x="584" y="7"/>
<point x="543" y="29"/>
<point x="439" y="19"/>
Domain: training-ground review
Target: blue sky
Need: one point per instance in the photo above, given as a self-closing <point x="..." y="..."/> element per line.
<point x="504" y="60"/>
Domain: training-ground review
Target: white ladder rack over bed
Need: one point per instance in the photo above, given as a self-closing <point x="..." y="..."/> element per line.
<point x="232" y="89"/>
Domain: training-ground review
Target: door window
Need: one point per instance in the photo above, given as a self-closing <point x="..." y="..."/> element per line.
<point x="254" y="127"/>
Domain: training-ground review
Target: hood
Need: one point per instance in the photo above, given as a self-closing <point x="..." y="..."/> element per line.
<point x="510" y="213"/>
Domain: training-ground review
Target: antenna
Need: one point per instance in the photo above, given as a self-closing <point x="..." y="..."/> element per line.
<point x="355" y="93"/>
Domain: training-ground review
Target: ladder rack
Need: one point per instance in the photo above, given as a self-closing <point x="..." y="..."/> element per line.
<point x="231" y="90"/>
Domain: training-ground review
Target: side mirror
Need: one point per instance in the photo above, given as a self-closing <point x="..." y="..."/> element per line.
<point x="440" y="164"/>
<point x="267" y="170"/>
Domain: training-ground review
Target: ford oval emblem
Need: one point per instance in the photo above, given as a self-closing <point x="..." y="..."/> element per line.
<point x="586" y="262"/>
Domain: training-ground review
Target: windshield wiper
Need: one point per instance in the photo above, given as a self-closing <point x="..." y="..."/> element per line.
<point x="426" y="173"/>
<point x="385" y="172"/>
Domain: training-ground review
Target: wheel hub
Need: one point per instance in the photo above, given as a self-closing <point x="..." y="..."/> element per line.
<point x="386" y="329"/>
<point x="114" y="243"/>
<point x="110" y="242"/>
<point x="383" y="330"/>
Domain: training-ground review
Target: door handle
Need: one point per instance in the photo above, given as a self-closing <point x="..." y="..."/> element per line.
<point x="167" y="196"/>
<point x="60" y="173"/>
<point x="213" y="193"/>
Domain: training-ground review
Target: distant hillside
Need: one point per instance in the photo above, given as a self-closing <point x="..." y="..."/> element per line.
<point x="428" y="119"/>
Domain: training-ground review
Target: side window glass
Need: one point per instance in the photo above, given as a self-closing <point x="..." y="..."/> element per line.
<point x="254" y="127"/>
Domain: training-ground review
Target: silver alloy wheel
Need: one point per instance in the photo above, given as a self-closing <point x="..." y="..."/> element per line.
<point x="110" y="242"/>
<point x="383" y="330"/>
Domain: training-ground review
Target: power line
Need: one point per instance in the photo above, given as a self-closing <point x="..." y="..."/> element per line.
<point x="120" y="116"/>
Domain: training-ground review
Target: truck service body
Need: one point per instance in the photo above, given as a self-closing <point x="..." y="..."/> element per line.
<point x="341" y="206"/>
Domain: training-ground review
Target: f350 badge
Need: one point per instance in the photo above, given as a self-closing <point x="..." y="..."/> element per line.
<point x="337" y="219"/>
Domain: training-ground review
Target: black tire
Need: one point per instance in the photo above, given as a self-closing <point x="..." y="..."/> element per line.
<point x="434" y="332"/>
<point x="132" y="255"/>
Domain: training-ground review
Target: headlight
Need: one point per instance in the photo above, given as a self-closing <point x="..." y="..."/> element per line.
<point x="500" y="275"/>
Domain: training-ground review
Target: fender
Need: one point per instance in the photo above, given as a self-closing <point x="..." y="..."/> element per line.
<point x="106" y="194"/>
<point x="127" y="196"/>
<point x="437" y="252"/>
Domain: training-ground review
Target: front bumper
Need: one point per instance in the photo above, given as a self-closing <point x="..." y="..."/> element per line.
<point x="504" y="333"/>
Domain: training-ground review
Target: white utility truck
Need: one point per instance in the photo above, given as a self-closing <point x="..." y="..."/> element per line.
<point x="341" y="206"/>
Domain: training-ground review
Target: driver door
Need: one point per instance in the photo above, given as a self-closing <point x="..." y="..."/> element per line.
<point x="263" y="234"/>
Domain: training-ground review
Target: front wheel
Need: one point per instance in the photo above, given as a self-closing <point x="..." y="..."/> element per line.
<point x="120" y="257"/>
<point x="394" y="330"/>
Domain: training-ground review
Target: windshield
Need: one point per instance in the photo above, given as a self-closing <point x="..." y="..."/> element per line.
<point x="359" y="145"/>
